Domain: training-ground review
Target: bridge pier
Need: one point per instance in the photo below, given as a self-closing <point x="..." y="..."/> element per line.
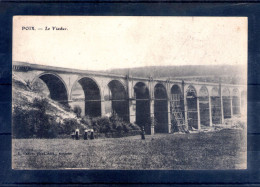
<point x="236" y="102"/>
<point x="231" y="107"/>
<point x="185" y="107"/>
<point x="152" y="116"/>
<point x="222" y="113"/>
<point x="198" y="112"/>
<point x="103" y="107"/>
<point x="221" y="103"/>
<point x="186" y="111"/>
<point x="169" y="115"/>
<point x="131" y="100"/>
<point x="132" y="110"/>
<point x="210" y="113"/>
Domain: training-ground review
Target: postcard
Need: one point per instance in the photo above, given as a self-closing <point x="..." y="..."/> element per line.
<point x="129" y="93"/>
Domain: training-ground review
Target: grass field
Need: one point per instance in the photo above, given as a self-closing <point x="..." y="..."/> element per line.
<point x="225" y="149"/>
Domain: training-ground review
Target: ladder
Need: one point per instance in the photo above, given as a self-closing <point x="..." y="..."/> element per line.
<point x="178" y="121"/>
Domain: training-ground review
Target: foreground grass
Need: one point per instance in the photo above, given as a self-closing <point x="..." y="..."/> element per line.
<point x="225" y="149"/>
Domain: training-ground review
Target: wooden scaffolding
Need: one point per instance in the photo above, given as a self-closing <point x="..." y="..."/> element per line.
<point x="177" y="118"/>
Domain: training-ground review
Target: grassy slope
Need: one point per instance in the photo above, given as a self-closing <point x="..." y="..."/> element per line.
<point x="225" y="149"/>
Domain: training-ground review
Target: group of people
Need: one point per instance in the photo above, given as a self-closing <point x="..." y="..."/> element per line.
<point x="88" y="134"/>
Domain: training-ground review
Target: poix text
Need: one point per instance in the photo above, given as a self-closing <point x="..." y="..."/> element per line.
<point x="54" y="28"/>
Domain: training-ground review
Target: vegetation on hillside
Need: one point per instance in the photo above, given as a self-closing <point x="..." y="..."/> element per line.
<point x="35" y="115"/>
<point x="210" y="73"/>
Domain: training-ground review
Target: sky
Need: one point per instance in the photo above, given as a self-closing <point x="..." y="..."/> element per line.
<point x="107" y="42"/>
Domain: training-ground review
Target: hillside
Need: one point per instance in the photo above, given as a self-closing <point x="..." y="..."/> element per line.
<point x="23" y="97"/>
<point x="229" y="73"/>
<point x="35" y="115"/>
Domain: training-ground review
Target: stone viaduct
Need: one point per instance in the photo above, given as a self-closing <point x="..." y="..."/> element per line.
<point x="139" y="100"/>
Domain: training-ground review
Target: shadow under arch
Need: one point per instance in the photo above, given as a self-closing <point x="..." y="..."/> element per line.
<point x="192" y="111"/>
<point x="236" y="101"/>
<point x="160" y="108"/>
<point x="204" y="106"/>
<point x="216" y="106"/>
<point x="56" y="86"/>
<point x="176" y="107"/>
<point x="226" y="99"/>
<point x="92" y="96"/>
<point x="118" y="99"/>
<point x="142" y="98"/>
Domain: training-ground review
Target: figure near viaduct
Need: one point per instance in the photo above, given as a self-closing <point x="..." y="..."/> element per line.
<point x="138" y="100"/>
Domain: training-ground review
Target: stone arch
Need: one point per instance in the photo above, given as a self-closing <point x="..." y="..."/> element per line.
<point x="225" y="92"/>
<point x="236" y="101"/>
<point x="89" y="77"/>
<point x="118" y="98"/>
<point x="119" y="81"/>
<point x="215" y="105"/>
<point x="191" y="90"/>
<point x="56" y="86"/>
<point x="176" y="89"/>
<point x="90" y="96"/>
<point x="161" y="108"/>
<point x="204" y="106"/>
<point x="227" y="110"/>
<point x="192" y="108"/>
<point x="142" y="98"/>
<point x="215" y="92"/>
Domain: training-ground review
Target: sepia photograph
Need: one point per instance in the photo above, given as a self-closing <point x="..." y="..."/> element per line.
<point x="129" y="93"/>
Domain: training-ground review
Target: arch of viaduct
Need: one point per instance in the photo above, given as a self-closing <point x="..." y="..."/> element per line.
<point x="138" y="100"/>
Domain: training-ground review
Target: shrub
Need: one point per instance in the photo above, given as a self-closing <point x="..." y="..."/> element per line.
<point x="36" y="123"/>
<point x="69" y="125"/>
<point x="95" y="125"/>
<point x="22" y="126"/>
<point x="42" y="125"/>
<point x="86" y="121"/>
<point x="126" y="128"/>
<point x="77" y="110"/>
<point x="33" y="124"/>
<point x="133" y="126"/>
<point x="103" y="124"/>
<point x="113" y="126"/>
<point x="41" y="104"/>
<point x="65" y="106"/>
